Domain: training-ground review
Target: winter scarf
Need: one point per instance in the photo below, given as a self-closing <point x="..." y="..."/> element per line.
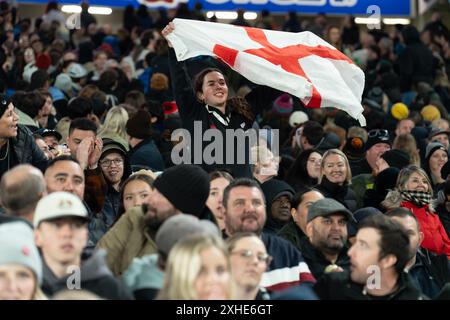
<point x="419" y="198"/>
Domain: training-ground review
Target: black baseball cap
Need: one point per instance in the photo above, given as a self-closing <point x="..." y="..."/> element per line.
<point x="44" y="132"/>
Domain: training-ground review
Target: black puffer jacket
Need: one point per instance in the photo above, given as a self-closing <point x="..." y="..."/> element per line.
<point x="342" y="194"/>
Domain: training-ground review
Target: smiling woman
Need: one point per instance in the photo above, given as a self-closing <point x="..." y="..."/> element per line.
<point x="205" y="274"/>
<point x="17" y="145"/>
<point x="335" y="178"/>
<point x="206" y="100"/>
<point x="414" y="192"/>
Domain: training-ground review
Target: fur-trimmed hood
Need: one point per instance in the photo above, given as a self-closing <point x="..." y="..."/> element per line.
<point x="394" y="198"/>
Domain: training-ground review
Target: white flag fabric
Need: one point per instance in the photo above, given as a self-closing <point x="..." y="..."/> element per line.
<point x="301" y="64"/>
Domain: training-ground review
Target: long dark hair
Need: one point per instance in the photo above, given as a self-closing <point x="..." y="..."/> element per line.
<point x="237" y="104"/>
<point x="137" y="176"/>
<point x="297" y="176"/>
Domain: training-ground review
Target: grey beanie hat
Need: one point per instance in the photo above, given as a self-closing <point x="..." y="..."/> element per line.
<point x="64" y="83"/>
<point x="17" y="247"/>
<point x="180" y="226"/>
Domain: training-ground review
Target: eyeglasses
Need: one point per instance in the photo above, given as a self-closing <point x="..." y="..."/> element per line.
<point x="107" y="163"/>
<point x="248" y="254"/>
<point x="378" y="133"/>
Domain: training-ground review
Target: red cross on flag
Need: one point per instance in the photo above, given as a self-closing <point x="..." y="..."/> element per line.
<point x="301" y="64"/>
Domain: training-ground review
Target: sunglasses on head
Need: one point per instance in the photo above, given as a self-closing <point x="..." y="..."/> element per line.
<point x="378" y="133"/>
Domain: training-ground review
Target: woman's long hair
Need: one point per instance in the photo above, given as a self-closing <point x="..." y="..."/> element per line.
<point x="297" y="175"/>
<point x="135" y="176"/>
<point x="237" y="104"/>
<point x="348" y="177"/>
<point x="115" y="123"/>
<point x="407" y="143"/>
<point x="406" y="173"/>
<point x="184" y="265"/>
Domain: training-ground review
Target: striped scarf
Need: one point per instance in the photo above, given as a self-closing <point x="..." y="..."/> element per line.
<point x="419" y="198"/>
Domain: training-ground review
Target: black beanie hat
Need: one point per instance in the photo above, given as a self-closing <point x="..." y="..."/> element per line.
<point x="139" y="126"/>
<point x="386" y="180"/>
<point x="396" y="158"/>
<point x="186" y="186"/>
<point x="273" y="189"/>
<point x="4" y="103"/>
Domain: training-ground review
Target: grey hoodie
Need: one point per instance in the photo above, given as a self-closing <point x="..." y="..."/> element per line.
<point x="94" y="276"/>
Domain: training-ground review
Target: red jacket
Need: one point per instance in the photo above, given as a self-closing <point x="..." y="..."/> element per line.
<point x="435" y="238"/>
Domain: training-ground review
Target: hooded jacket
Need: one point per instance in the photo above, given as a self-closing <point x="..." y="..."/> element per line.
<point x="274" y="189"/>
<point x="95" y="276"/>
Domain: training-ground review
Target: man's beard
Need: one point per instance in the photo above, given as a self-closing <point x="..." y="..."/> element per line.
<point x="153" y="218"/>
<point x="331" y="247"/>
<point x="238" y="226"/>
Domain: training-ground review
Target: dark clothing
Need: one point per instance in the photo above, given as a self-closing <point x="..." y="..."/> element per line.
<point x="342" y="194"/>
<point x="100" y="223"/>
<point x="95" y="277"/>
<point x="145" y="154"/>
<point x="86" y="19"/>
<point x="350" y="35"/>
<point x="317" y="261"/>
<point x="339" y="286"/>
<point x="207" y="117"/>
<point x="415" y="64"/>
<point x="274" y="189"/>
<point x="95" y="190"/>
<point x="110" y="210"/>
<point x="292" y="233"/>
<point x="444" y="216"/>
<point x="23" y="149"/>
<point x="360" y="167"/>
<point x="430" y="272"/>
<point x="287" y="268"/>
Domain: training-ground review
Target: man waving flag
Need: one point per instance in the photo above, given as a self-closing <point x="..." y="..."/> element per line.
<point x="301" y="64"/>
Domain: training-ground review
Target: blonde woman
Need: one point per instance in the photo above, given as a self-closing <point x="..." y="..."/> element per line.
<point x="407" y="143"/>
<point x="414" y="192"/>
<point x="197" y="269"/>
<point x="115" y="123"/>
<point x="20" y="263"/>
<point x="335" y="178"/>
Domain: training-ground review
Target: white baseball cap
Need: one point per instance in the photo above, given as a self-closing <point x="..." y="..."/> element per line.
<point x="297" y="117"/>
<point x="57" y="205"/>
